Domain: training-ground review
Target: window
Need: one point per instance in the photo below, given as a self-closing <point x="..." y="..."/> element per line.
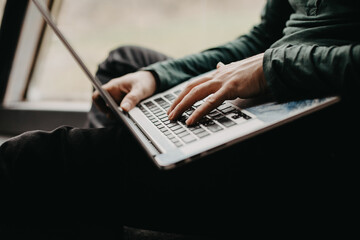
<point x="44" y="76"/>
<point x="2" y="6"/>
<point x="95" y="27"/>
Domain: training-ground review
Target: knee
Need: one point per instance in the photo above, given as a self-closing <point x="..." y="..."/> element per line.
<point x="120" y="61"/>
<point x="123" y="54"/>
<point x="27" y="153"/>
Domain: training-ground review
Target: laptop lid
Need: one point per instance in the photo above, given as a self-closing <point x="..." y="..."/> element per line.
<point x="172" y="144"/>
<point x="95" y="82"/>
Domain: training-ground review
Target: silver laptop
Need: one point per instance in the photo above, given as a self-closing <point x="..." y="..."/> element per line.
<point x="171" y="143"/>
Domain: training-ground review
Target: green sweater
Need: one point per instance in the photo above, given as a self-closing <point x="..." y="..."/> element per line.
<point x="311" y="47"/>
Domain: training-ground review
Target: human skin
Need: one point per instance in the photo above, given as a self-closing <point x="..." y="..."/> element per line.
<point x="243" y="79"/>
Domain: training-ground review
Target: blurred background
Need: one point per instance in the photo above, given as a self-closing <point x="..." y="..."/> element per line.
<point x="2" y="5"/>
<point x="94" y="28"/>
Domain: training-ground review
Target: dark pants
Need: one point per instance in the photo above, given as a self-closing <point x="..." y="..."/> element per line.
<point x="95" y="180"/>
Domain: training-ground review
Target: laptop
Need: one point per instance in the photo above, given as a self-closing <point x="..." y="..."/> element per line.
<point x="171" y="143"/>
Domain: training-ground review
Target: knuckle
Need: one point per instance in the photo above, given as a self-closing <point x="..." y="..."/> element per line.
<point x="211" y="100"/>
<point x="196" y="90"/>
<point x="189" y="86"/>
<point x="217" y="82"/>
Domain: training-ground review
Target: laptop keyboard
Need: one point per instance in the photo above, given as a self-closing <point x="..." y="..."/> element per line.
<point x="224" y="116"/>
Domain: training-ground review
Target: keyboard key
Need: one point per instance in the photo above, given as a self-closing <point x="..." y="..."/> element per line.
<point x="214" y="113"/>
<point x="166" y="122"/>
<point x="141" y="108"/>
<point x="167" y="132"/>
<point x="149" y="104"/>
<point x="170" y="97"/>
<point x="188" y="138"/>
<point x="156" y="111"/>
<point x="180" y="130"/>
<point x="239" y="114"/>
<point x="178" y="144"/>
<point x="170" y="125"/>
<point x="226" y="122"/>
<point x="228" y="110"/>
<point x="160" y="101"/>
<point x="236" y="116"/>
<point x="183" y="134"/>
<point x="202" y="134"/>
<point x="190" y="111"/>
<point x="175" y="127"/>
<point x="195" y="131"/>
<point x="198" y="103"/>
<point x="247" y="117"/>
<point x="163" y="129"/>
<point x="217" y="117"/>
<point x="183" y="119"/>
<point x="158" y="124"/>
<point x="177" y="92"/>
<point x="214" y="127"/>
<point x="164" y="119"/>
<point x="171" y="136"/>
<point x="208" y="123"/>
<point x="204" y="120"/>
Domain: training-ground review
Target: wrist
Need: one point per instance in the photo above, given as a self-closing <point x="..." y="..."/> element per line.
<point x="155" y="77"/>
<point x="150" y="80"/>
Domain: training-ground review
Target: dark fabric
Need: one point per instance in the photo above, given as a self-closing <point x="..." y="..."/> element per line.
<point x="83" y="182"/>
<point x="88" y="183"/>
<point x="311" y="49"/>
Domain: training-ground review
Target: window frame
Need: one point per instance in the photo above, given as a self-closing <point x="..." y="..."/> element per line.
<point x="21" y="35"/>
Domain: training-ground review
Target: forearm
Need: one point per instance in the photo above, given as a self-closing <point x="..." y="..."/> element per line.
<point x="310" y="71"/>
<point x="170" y="73"/>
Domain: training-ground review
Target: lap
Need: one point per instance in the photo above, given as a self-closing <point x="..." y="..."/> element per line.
<point x="101" y="176"/>
<point x="121" y="61"/>
<point x="92" y="175"/>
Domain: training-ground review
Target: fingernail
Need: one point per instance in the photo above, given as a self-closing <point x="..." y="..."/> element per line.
<point x="188" y="122"/>
<point x="125" y="106"/>
<point x="171" y="115"/>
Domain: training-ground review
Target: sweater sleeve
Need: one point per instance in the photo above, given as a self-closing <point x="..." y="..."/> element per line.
<point x="273" y="18"/>
<point x="310" y="71"/>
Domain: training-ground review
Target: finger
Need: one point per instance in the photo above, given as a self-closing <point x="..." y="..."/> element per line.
<point x="131" y="99"/>
<point x="186" y="90"/>
<point x="100" y="103"/>
<point x="116" y="92"/>
<point x="196" y="94"/>
<point x="211" y="103"/>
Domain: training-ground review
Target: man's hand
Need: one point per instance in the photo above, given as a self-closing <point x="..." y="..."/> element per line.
<point x="127" y="90"/>
<point x="244" y="79"/>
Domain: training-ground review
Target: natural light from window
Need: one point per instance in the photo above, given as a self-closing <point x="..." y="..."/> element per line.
<point x="2" y="6"/>
<point x="94" y="28"/>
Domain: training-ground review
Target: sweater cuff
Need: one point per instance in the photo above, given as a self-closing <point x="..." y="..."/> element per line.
<point x="272" y="66"/>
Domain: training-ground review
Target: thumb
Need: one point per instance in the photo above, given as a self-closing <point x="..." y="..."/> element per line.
<point x="130" y="100"/>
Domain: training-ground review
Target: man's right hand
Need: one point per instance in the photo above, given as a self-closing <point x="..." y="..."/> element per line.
<point x="127" y="90"/>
